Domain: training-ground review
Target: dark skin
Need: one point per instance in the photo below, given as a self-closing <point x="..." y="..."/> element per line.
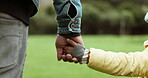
<point x="68" y="50"/>
<point x="61" y="42"/>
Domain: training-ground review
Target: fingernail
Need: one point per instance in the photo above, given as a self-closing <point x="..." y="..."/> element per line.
<point x="68" y="39"/>
<point x="68" y="57"/>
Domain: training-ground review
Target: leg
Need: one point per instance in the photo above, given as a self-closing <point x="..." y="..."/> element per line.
<point x="13" y="41"/>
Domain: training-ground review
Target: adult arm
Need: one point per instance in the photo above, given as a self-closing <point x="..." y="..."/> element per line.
<point x="69" y="13"/>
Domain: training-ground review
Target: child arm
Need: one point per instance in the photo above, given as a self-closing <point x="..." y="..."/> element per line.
<point x="119" y="64"/>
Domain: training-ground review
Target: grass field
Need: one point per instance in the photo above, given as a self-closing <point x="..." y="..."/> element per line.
<point x="41" y="56"/>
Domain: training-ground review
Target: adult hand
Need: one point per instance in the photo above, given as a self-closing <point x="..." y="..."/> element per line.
<point x="68" y="56"/>
<point x="61" y="42"/>
<point x="68" y="51"/>
<point x="77" y="39"/>
<point x="74" y="52"/>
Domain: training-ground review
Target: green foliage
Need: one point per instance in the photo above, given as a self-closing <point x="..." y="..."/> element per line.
<point x="128" y="17"/>
<point x="50" y="11"/>
<point x="91" y="16"/>
<point x="100" y="17"/>
<point x="92" y="12"/>
<point x="112" y="17"/>
<point x="43" y="22"/>
<point x="106" y="16"/>
<point x="41" y="60"/>
<point x="133" y="8"/>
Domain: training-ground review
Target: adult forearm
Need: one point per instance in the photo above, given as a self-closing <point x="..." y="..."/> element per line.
<point x="69" y="13"/>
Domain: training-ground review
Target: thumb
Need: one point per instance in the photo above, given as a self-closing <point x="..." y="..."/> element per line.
<point x="71" y="42"/>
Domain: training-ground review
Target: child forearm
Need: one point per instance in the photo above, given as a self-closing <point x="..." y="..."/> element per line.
<point x="120" y="64"/>
<point x="133" y="64"/>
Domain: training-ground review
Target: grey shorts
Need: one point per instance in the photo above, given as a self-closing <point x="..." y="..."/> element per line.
<point x="13" y="41"/>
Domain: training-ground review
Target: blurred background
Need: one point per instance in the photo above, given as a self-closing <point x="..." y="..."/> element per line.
<point x="120" y="17"/>
<point x="112" y="25"/>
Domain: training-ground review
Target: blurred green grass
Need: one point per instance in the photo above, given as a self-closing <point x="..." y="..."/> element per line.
<point x="41" y="57"/>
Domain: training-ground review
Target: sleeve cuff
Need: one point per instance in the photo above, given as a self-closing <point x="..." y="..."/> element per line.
<point x="70" y="35"/>
<point x="146" y="17"/>
<point x="85" y="57"/>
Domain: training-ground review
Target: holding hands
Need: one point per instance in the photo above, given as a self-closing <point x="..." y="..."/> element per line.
<point x="71" y="50"/>
<point x="74" y="52"/>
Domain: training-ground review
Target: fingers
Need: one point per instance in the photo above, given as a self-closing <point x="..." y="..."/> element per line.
<point x="68" y="49"/>
<point x="59" y="53"/>
<point x="75" y="60"/>
<point x="64" y="58"/>
<point x="60" y="44"/>
<point x="78" y="39"/>
<point x="69" y="58"/>
<point x="71" y="42"/>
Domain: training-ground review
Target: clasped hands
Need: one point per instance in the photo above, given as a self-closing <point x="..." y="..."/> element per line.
<point x="74" y="52"/>
<point x="70" y="49"/>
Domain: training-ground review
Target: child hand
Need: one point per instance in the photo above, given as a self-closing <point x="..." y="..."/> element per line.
<point x="74" y="52"/>
<point x="68" y="56"/>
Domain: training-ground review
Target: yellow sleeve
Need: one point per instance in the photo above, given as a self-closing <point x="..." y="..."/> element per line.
<point x="133" y="64"/>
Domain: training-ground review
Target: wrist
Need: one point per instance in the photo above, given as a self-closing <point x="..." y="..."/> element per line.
<point x="70" y="35"/>
<point x="88" y="57"/>
<point x="145" y="44"/>
<point x="85" y="58"/>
